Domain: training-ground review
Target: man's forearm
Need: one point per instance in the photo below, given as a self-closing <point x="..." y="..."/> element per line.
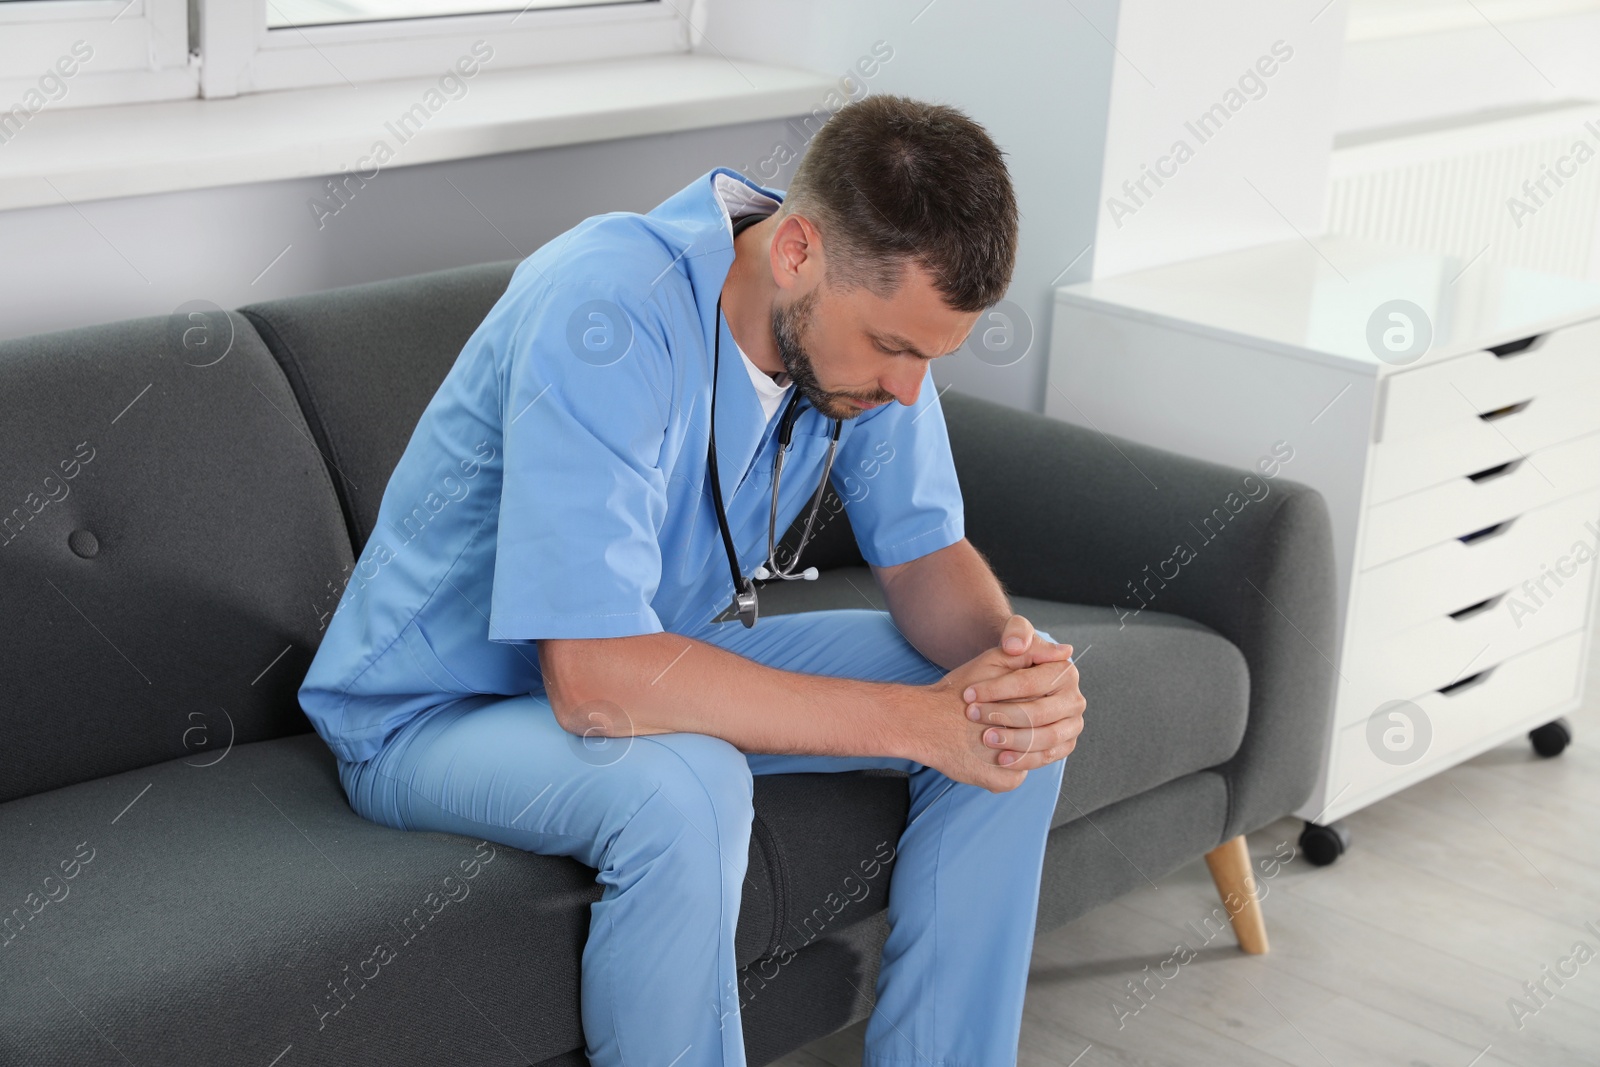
<point x="668" y="683"/>
<point x="948" y="604"/>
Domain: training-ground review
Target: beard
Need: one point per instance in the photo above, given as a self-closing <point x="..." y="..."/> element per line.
<point x="790" y="327"/>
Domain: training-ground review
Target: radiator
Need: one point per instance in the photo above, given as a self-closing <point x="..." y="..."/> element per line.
<point x="1519" y="190"/>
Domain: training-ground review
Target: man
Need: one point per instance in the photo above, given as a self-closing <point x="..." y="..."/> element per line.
<point x="562" y="572"/>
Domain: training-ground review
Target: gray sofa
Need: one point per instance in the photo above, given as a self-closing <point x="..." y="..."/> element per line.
<point x="181" y="878"/>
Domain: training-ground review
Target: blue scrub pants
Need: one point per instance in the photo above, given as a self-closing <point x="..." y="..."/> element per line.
<point x="665" y="820"/>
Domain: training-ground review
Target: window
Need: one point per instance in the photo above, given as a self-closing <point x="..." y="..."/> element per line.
<point x="286" y="13"/>
<point x="257" y="45"/>
<point x="73" y="53"/>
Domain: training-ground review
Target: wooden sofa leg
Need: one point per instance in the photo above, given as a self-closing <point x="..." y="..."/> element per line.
<point x="1230" y="870"/>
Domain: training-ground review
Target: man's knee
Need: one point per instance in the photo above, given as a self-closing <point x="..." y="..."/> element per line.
<point x="705" y="780"/>
<point x="900" y="661"/>
<point x="1046" y="783"/>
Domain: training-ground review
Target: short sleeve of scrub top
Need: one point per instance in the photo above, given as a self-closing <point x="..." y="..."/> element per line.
<point x="897" y="479"/>
<point x="584" y="427"/>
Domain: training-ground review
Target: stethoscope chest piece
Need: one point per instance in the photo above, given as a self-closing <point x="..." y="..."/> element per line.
<point x="745" y="605"/>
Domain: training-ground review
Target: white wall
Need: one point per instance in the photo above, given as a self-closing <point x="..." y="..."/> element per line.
<point x="1414" y="78"/>
<point x="1220" y="128"/>
<point x="113" y="259"/>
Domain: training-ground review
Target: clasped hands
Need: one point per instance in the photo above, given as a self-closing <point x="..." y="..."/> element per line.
<point x="1023" y="696"/>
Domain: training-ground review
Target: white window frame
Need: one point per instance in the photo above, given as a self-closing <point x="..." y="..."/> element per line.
<point x="139" y="51"/>
<point x="243" y="56"/>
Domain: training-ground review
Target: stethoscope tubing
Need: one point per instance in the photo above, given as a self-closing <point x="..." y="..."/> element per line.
<point x="745" y="600"/>
<point x="785" y="433"/>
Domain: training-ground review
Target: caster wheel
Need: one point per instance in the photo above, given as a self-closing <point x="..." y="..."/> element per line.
<point x="1324" y="844"/>
<point x="1551" y="738"/>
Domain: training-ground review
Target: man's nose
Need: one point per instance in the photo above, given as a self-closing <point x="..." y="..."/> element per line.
<point x="906" y="385"/>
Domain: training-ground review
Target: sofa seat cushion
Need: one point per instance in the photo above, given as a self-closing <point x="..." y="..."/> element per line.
<point x="223" y="910"/>
<point x="1166" y="695"/>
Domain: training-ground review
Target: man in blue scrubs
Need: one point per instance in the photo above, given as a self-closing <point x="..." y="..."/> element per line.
<point x="529" y="651"/>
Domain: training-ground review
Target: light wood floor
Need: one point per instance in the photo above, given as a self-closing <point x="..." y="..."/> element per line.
<point x="1406" y="951"/>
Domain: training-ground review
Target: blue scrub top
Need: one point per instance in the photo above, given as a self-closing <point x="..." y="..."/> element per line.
<point x="556" y="486"/>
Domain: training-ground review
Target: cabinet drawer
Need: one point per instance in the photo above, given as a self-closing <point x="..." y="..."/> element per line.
<point x="1463" y="506"/>
<point x="1449" y="576"/>
<point x="1483" y="439"/>
<point x="1539" y="681"/>
<point x="1456" y="391"/>
<point x="1445" y="649"/>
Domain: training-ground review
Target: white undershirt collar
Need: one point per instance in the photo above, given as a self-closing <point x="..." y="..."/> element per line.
<point x="738" y="201"/>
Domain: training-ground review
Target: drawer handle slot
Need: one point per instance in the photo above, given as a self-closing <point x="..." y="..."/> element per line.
<point x="1467" y="683"/>
<point x="1479" y="608"/>
<point x="1509" y="409"/>
<point x="1512" y="348"/>
<point x="1489" y="474"/>
<point x="1487" y="532"/>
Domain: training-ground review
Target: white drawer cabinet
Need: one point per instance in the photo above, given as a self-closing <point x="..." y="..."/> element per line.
<point x="1457" y="445"/>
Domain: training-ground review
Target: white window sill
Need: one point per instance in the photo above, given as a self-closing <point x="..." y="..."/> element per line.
<point x="95" y="153"/>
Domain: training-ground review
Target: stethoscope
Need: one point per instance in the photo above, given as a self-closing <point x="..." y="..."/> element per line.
<point x="745" y="606"/>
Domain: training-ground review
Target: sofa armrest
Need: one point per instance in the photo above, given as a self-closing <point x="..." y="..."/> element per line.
<point x="1070" y="514"/>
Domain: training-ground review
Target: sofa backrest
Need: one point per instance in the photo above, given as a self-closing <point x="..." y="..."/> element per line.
<point x="365" y="360"/>
<point x="170" y="546"/>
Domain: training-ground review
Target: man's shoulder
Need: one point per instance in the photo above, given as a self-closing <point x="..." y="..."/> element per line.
<point x="628" y="256"/>
<point x="611" y="287"/>
<point x="615" y="255"/>
<point x="645" y="273"/>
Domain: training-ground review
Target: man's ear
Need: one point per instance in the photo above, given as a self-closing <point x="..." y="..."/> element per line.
<point x="796" y="253"/>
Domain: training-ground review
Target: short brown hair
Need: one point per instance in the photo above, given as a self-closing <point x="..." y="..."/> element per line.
<point x="889" y="180"/>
